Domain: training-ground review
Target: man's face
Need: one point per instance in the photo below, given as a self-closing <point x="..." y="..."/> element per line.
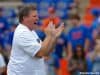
<point x="52" y="16"/>
<point x="74" y="22"/>
<point x="32" y="17"/>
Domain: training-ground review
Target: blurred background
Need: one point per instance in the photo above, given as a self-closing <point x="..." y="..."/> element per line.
<point x="77" y="49"/>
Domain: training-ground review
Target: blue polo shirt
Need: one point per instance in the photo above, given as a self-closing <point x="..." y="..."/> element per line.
<point x="78" y="35"/>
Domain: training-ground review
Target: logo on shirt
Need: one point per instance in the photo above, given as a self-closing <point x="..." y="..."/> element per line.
<point x="38" y="40"/>
<point x="77" y="35"/>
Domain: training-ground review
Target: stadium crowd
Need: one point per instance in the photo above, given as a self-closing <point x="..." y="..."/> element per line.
<point x="78" y="47"/>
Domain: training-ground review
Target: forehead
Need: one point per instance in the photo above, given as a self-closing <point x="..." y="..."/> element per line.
<point x="33" y="12"/>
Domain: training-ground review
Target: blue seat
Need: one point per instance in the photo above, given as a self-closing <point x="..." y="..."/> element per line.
<point x="61" y="5"/>
<point x="62" y="14"/>
<point x="69" y="1"/>
<point x="9" y="12"/>
<point x="29" y="1"/>
<point x="43" y="5"/>
<point x="42" y="13"/>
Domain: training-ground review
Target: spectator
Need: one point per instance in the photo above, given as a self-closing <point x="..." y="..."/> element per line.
<point x="52" y="17"/>
<point x="11" y="33"/>
<point x="96" y="59"/>
<point x="95" y="13"/>
<point x="74" y="7"/>
<point x="4" y="27"/>
<point x="3" y="22"/>
<point x="78" y="62"/>
<point x="96" y="23"/>
<point x="9" y="40"/>
<point x="58" y="53"/>
<point x="94" y="31"/>
<point x="77" y="35"/>
<point x="2" y="62"/>
<point x="93" y="57"/>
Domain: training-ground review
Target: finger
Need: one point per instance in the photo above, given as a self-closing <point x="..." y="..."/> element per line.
<point x="53" y="27"/>
<point x="61" y="26"/>
<point x="50" y="25"/>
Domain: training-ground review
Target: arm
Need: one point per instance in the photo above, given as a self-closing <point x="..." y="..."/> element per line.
<point x="47" y="46"/>
<point x="69" y="51"/>
<point x="87" y="43"/>
<point x="87" y="40"/>
<point x="2" y="70"/>
<point x="2" y="65"/>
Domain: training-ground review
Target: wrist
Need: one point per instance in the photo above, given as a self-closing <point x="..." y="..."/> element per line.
<point x="49" y="36"/>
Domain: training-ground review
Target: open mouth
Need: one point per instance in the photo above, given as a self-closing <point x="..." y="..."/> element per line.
<point x="35" y="23"/>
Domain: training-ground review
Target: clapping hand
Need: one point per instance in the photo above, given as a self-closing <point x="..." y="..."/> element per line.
<point x="52" y="31"/>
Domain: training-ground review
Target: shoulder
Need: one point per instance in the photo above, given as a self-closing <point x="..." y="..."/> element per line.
<point x="71" y="30"/>
<point x="21" y="29"/>
<point x="35" y="34"/>
<point x="83" y="27"/>
<point x="23" y="32"/>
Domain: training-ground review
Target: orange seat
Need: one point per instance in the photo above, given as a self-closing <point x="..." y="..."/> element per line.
<point x="88" y="19"/>
<point x="97" y="2"/>
<point x="91" y="6"/>
<point x="63" y="67"/>
<point x="88" y="16"/>
<point x="87" y="22"/>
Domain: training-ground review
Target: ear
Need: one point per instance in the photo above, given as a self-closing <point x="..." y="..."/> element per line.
<point x="25" y="17"/>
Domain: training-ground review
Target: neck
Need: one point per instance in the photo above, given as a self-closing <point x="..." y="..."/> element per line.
<point x="77" y="25"/>
<point x="29" y="25"/>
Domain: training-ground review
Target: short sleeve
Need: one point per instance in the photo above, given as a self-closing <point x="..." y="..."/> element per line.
<point x="2" y="62"/>
<point x="29" y="44"/>
<point x="86" y="32"/>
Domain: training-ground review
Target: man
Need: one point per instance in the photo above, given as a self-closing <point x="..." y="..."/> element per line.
<point x="96" y="24"/>
<point x="28" y="52"/>
<point x="77" y="35"/>
<point x="52" y="17"/>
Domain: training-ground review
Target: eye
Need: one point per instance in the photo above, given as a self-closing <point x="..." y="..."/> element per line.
<point x="33" y="16"/>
